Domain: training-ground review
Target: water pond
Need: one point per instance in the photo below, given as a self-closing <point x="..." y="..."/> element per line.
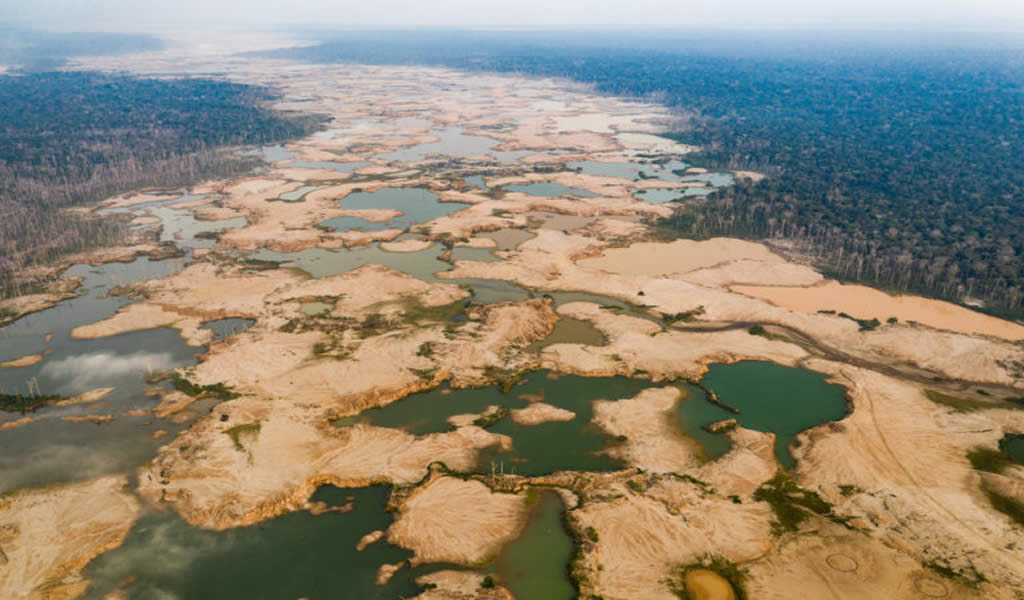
<point x="476" y="181"/>
<point x="320" y="262"/>
<point x="416" y="204"/>
<point x="536" y="564"/>
<point x="51" y="449"/>
<point x="539" y="449"/>
<point x="452" y="142"/>
<point x="770" y="398"/>
<point x="298" y="555"/>
<point x="568" y="330"/>
<point x="225" y="328"/>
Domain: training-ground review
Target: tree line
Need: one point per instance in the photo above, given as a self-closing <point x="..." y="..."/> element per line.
<point x="68" y="139"/>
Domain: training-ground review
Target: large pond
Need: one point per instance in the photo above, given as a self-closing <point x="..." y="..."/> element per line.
<point x="539" y="449"/>
<point x="770" y="398"/>
<point x="298" y="555"/>
<point x="416" y="204"/>
<point x="536" y="564"/>
<point x="454" y="143"/>
<point x="320" y="262"/>
<point x="52" y="449"/>
<point x="225" y="328"/>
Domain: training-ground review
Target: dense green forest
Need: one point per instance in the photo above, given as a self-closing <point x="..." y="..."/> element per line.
<point x="72" y="138"/>
<point x="897" y="162"/>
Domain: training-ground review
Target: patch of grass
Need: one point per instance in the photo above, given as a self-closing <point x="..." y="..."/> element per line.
<point x="488" y="583"/>
<point x="865" y="324"/>
<point x="635" y="485"/>
<point x="790" y="503"/>
<point x="686" y="317"/>
<point x="489" y="420"/>
<point x="218" y="390"/>
<point x="759" y="330"/>
<point x="1011" y="507"/>
<point x="988" y="459"/>
<point x="416" y="312"/>
<point x="25" y="404"/>
<point x="426" y="349"/>
<point x="505" y="378"/>
<point x="848" y="490"/>
<point x="963" y="405"/>
<point x="236" y="433"/>
<point x="592" y="535"/>
<point x="373" y="324"/>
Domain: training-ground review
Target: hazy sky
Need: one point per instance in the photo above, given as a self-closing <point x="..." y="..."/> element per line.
<point x="944" y="14"/>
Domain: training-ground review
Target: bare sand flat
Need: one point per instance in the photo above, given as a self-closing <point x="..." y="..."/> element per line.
<point x="868" y="303"/>
<point x="540" y="412"/>
<point x="680" y="256"/>
<point x="24" y="361"/>
<point x="49" y="534"/>
<point x="456" y="521"/>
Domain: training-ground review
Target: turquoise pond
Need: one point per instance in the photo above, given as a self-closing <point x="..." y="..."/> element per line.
<point x="416" y="204"/>
<point x="770" y="398"/>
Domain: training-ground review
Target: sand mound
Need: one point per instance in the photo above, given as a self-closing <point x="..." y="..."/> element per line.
<point x="456" y="521"/>
<point x="868" y="303"/>
<point x="680" y="256"/>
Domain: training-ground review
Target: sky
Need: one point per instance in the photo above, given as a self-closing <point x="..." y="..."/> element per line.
<point x="1002" y="15"/>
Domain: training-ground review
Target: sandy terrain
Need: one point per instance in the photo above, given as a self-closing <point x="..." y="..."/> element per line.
<point x="48" y="535"/>
<point x="540" y="412"/>
<point x="909" y="456"/>
<point x="460" y="585"/>
<point x="679" y="256"/>
<point x="24" y="361"/>
<point x="13" y="423"/>
<point x="645" y="537"/>
<point x="135" y="317"/>
<point x="12" y="309"/>
<point x="456" y="521"/>
<point x="549" y="262"/>
<point x="635" y="344"/>
<point x="647" y="421"/>
<point x="868" y="303"/>
<point x="410" y="245"/>
<point x="844" y="565"/>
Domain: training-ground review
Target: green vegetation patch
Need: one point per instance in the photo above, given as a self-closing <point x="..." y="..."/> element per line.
<point x="26" y="404"/>
<point x="416" y="312"/>
<point x="791" y="503"/>
<point x="961" y="404"/>
<point x="1011" y="507"/>
<point x="491" y="419"/>
<point x="218" y="390"/>
<point x="685" y="317"/>
<point x="988" y="459"/>
<point x="238" y="431"/>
